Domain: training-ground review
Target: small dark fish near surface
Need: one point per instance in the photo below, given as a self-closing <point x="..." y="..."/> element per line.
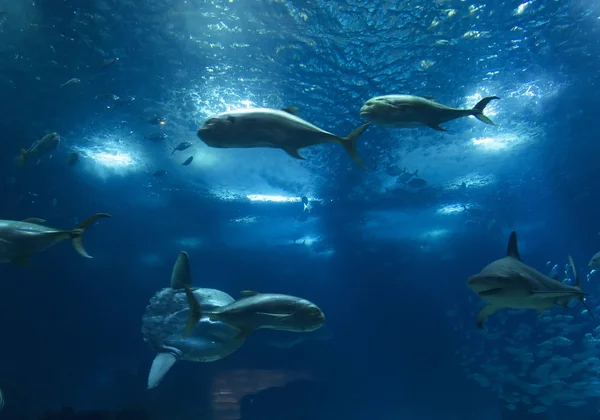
<point x="41" y="147"/>
<point x="156" y="137"/>
<point x="279" y="129"/>
<point x="260" y="310"/>
<point x="509" y="283"/>
<point x="109" y="62"/>
<point x="417" y="183"/>
<point x="188" y="161"/>
<point x="72" y="159"/>
<point x="21" y="239"/>
<point x="415" y="111"/>
<point x="182" y="146"/>
<point x="156" y="120"/>
<point x="159" y="173"/>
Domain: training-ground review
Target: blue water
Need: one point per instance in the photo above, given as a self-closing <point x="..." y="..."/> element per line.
<point x="387" y="265"/>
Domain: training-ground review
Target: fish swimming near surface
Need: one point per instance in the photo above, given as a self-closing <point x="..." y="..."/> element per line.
<point x="279" y="129"/>
<point x="21" y="239"/>
<point x="72" y="81"/>
<point x="41" y="147"/>
<point x="72" y="159"/>
<point x="508" y="283"/>
<point x="188" y="161"/>
<point x="260" y="310"/>
<point x="414" y="111"/>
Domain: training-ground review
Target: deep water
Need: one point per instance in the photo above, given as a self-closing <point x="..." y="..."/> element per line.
<point x="387" y="266"/>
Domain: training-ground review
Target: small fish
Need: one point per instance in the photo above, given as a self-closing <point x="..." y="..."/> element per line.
<point x="258" y="310"/>
<point x="124" y="101"/>
<point x="40" y="147"/>
<point x="159" y="173"/>
<point x="109" y="62"/>
<point x="188" y="161"/>
<point x="72" y="159"/>
<point x="595" y="261"/>
<point x="279" y="129"/>
<point x="107" y="97"/>
<point x="156" y="120"/>
<point x="182" y="146"/>
<point x="1" y="400"/>
<point x="417" y="183"/>
<point x="156" y="137"/>
<point x="72" y="81"/>
<point x="21" y="239"/>
<point x="414" y="111"/>
<point x="510" y="283"/>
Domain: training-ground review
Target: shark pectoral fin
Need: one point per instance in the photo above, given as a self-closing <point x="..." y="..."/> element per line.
<point x="33" y="220"/>
<point x="22" y="261"/>
<point x="294" y="153"/>
<point x="484" y="313"/>
<point x="160" y="366"/>
<point x="436" y="127"/>
<point x="180" y="276"/>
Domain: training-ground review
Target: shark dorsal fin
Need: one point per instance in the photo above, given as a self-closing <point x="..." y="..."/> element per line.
<point x="513" y="247"/>
<point x="248" y="293"/>
<point x="290" y="110"/>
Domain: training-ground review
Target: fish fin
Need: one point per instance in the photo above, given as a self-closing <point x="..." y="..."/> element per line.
<point x="180" y="276"/>
<point x="436" y="127"/>
<point x="244" y="332"/>
<point x="22" y="156"/>
<point x="349" y="143"/>
<point x="558" y="294"/>
<point x="248" y="293"/>
<point x="429" y="97"/>
<point x="160" y="366"/>
<point x="195" y="312"/>
<point x="513" y="247"/>
<point x="574" y="269"/>
<point x="485" y="312"/>
<point x="480" y="106"/>
<point x="4" y="241"/>
<point x="294" y="153"/>
<point x="290" y="110"/>
<point x="77" y="233"/>
<point x="22" y="261"/>
<point x="491" y="292"/>
<point x="33" y="220"/>
<point x="543" y="308"/>
<point x="582" y="299"/>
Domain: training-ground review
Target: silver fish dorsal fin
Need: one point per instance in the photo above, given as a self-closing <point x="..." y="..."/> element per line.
<point x="180" y="276"/>
<point x="290" y="110"/>
<point x="513" y="247"/>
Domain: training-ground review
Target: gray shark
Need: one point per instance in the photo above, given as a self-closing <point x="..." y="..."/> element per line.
<point x="508" y="283"/>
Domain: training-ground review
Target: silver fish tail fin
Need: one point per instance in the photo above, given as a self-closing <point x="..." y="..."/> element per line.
<point x="480" y="106"/>
<point x="77" y="233"/>
<point x="349" y="143"/>
<point x="22" y="156"/>
<point x="195" y="311"/>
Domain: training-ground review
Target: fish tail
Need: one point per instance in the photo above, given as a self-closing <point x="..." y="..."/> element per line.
<point x="22" y="156"/>
<point x="195" y="312"/>
<point x="480" y="106"/>
<point x="77" y="233"/>
<point x="349" y="143"/>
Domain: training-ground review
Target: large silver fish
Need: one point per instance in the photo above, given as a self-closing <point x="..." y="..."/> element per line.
<point x="261" y="310"/>
<point x="415" y="111"/>
<point x="21" y="239"/>
<point x="40" y="147"/>
<point x="166" y="317"/>
<point x="509" y="283"/>
<point x="265" y="127"/>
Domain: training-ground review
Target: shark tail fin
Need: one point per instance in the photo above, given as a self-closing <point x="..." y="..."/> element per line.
<point x="77" y="233"/>
<point x="349" y="143"/>
<point x="480" y="106"/>
<point x="22" y="156"/>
